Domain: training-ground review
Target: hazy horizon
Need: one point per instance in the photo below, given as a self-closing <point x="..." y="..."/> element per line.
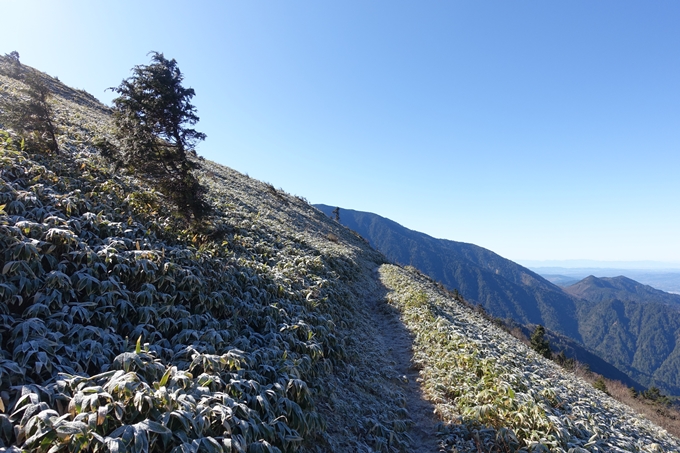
<point x="598" y="264"/>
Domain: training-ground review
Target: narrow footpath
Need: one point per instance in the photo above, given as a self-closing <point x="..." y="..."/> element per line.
<point x="397" y="342"/>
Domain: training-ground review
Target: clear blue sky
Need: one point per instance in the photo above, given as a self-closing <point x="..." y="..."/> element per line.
<point x="540" y="130"/>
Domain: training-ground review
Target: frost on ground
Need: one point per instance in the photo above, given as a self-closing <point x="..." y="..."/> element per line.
<point x="272" y="329"/>
<point x="495" y="394"/>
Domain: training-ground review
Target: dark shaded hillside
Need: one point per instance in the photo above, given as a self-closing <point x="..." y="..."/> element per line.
<point x="595" y="289"/>
<point x="576" y="350"/>
<point x="632" y="326"/>
<point x="504" y="288"/>
<point x="638" y="338"/>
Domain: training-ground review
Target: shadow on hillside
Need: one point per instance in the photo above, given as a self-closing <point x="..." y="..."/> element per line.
<point x="395" y="343"/>
<point x="428" y="433"/>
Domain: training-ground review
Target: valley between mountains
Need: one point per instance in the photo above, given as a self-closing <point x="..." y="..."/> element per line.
<point x="272" y="328"/>
<point x="622" y="329"/>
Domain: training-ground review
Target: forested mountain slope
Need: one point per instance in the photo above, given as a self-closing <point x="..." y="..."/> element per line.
<point x="594" y="289"/>
<point x="638" y="338"/>
<point x="267" y="328"/>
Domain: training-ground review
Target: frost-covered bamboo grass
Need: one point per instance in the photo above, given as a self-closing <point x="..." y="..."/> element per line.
<point x="496" y="394"/>
<point x="122" y="329"/>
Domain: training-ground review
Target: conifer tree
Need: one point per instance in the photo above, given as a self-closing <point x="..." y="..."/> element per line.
<point x="13" y="57"/>
<point x="152" y="116"/>
<point x="10" y="65"/>
<point x="539" y="343"/>
<point x="31" y="115"/>
<point x="601" y="385"/>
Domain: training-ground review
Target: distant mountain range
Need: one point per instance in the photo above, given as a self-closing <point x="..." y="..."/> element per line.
<point x="664" y="279"/>
<point x="616" y="325"/>
<point x="652" y="266"/>
<point x="595" y="289"/>
<point x="559" y="279"/>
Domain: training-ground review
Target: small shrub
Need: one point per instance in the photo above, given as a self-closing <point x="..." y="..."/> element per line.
<point x="600" y="385"/>
<point x="565" y="362"/>
<point x="539" y="343"/>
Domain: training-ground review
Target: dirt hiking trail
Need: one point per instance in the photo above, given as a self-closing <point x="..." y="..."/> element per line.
<point x="397" y="343"/>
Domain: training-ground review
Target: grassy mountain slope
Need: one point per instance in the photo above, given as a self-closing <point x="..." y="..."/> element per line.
<point x="473" y="370"/>
<point x="273" y="329"/>
<point x="504" y="288"/>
